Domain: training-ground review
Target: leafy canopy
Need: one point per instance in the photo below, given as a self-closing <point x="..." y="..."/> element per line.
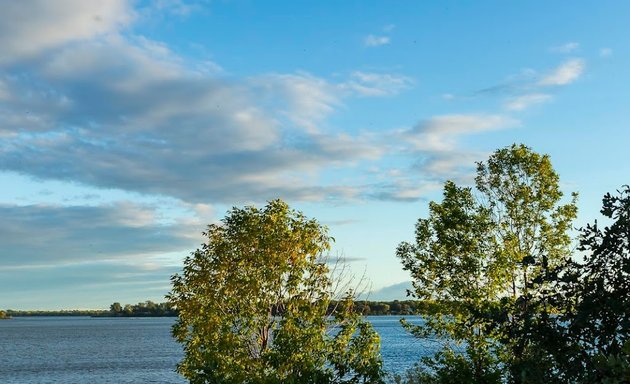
<point x="481" y="255"/>
<point x="253" y="304"/>
<point x="595" y="321"/>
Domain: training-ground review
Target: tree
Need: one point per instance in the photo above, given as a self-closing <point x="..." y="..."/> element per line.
<point x="531" y="232"/>
<point x="451" y="264"/>
<point x="253" y="302"/>
<point x="484" y="256"/>
<point x="115" y="308"/>
<point x="597" y="293"/>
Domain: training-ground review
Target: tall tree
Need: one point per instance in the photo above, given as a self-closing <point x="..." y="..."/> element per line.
<point x="253" y="303"/>
<point x="531" y="229"/>
<point x="521" y="191"/>
<point x="482" y="254"/>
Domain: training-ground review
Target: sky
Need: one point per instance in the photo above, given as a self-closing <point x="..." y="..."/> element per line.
<point x="128" y="126"/>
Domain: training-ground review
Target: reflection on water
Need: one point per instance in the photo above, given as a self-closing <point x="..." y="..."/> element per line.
<point x="131" y="350"/>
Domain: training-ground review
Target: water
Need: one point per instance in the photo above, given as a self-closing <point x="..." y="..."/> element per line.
<point x="82" y="350"/>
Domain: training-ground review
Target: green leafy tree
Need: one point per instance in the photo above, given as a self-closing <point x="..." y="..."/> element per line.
<point x="451" y="265"/>
<point x="531" y="232"/>
<point x="253" y="302"/>
<point x="484" y="256"/>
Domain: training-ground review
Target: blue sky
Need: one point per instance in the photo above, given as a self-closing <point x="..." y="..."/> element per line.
<point x="127" y="126"/>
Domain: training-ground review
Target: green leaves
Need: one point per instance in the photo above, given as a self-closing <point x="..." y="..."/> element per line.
<point x="253" y="306"/>
<point x="486" y="256"/>
<point x="596" y="296"/>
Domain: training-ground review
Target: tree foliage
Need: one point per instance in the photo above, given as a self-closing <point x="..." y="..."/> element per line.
<point x="142" y="309"/>
<point x="486" y="254"/>
<point x="596" y="321"/>
<point x="253" y="303"/>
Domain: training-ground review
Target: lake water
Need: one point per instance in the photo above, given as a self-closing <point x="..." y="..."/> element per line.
<point x="83" y="350"/>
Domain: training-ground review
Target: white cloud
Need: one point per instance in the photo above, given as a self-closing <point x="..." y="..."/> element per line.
<point x="450" y="164"/>
<point x="440" y="133"/>
<point x="29" y="27"/>
<point x="566" y="73"/>
<point x="528" y="88"/>
<point x="566" y="48"/>
<point x="111" y="111"/>
<point x="522" y="102"/>
<point x="435" y="145"/>
<point x="376" y="41"/>
<point x="114" y="113"/>
<point x="305" y="100"/>
<point x="377" y="84"/>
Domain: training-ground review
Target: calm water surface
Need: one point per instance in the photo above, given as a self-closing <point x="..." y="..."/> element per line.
<point x="83" y="350"/>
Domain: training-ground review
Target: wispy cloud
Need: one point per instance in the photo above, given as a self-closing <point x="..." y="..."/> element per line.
<point x="389" y="27"/>
<point x="565" y="48"/>
<point x="87" y="284"/>
<point x="566" y="73"/>
<point x="605" y="52"/>
<point x="403" y="190"/>
<point x="440" y="133"/>
<point x="435" y="144"/>
<point x="377" y="84"/>
<point x="304" y="99"/>
<point x="376" y="41"/>
<point x="123" y="231"/>
<point x="522" y="102"/>
<point x="530" y="87"/>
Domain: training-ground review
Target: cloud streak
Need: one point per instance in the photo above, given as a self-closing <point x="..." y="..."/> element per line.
<point x="564" y="74"/>
<point x="377" y="84"/>
<point x="440" y="133"/>
<point x="520" y="103"/>
<point x="566" y="48"/>
<point x="376" y="41"/>
<point x="41" y="235"/>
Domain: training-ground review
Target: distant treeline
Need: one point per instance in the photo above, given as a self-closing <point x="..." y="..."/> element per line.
<point x="151" y="309"/>
<point x="63" y="312"/>
<point x="146" y="309"/>
<point x="396" y="307"/>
